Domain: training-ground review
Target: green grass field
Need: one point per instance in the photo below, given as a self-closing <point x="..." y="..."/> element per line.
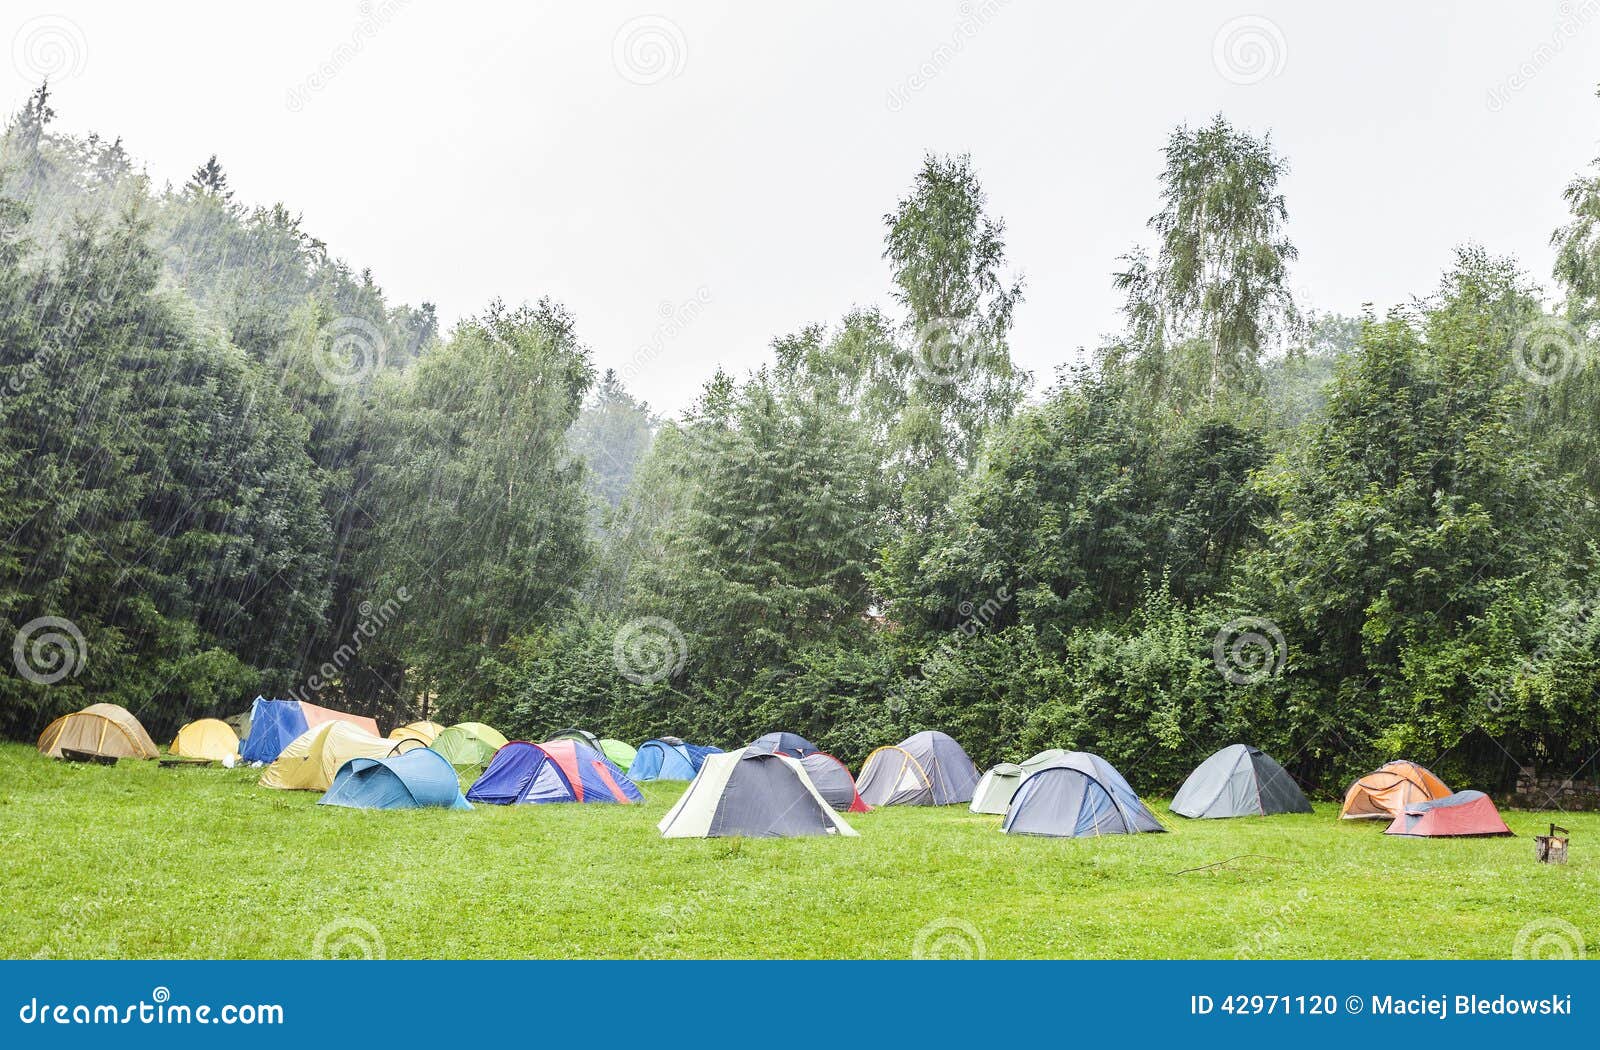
<point x="138" y="861"/>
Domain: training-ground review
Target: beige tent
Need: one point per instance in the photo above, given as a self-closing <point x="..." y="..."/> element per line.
<point x="99" y="729"/>
<point x="206" y="738"/>
<point x="993" y="793"/>
<point x="423" y="731"/>
<point x="313" y="757"/>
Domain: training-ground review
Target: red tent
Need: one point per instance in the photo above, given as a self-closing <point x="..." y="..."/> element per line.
<point x="1464" y="813"/>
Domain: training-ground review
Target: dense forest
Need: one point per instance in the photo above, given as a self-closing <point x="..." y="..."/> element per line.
<point x="232" y="467"/>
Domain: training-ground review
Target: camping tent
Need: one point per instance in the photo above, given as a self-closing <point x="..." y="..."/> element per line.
<point x="1465" y="813"/>
<point x="833" y="782"/>
<point x="668" y="758"/>
<point x="1077" y="795"/>
<point x="751" y="793"/>
<point x="417" y="779"/>
<point x="928" y="769"/>
<point x="556" y="771"/>
<point x="99" y="729"/>
<point x="1239" y="781"/>
<point x="619" y="752"/>
<point x="312" y="758"/>
<point x="240" y="724"/>
<point x="424" y="731"/>
<point x="582" y="736"/>
<point x="206" y="738"/>
<point x="999" y="783"/>
<point x="468" y="743"/>
<point x="274" y="724"/>
<point x="1385" y="793"/>
<point x="792" y="744"/>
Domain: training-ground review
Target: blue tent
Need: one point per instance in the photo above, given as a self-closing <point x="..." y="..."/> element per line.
<point x="669" y="759"/>
<point x="414" y="780"/>
<point x="792" y="744"/>
<point x="1077" y="795"/>
<point x="555" y="771"/>
<point x="273" y="725"/>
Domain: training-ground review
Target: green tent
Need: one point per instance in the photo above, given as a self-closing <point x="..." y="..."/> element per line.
<point x="621" y="754"/>
<point x="468" y="744"/>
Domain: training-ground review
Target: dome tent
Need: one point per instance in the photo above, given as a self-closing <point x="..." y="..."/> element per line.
<point x="1239" y="781"/>
<point x="311" y="760"/>
<point x="620" y="752"/>
<point x="206" y="738"/>
<point x="999" y="783"/>
<point x="1077" y="795"/>
<point x="927" y="769"/>
<point x="105" y="730"/>
<point x="557" y="771"/>
<point x="468" y="743"/>
<point x="275" y="724"/>
<point x="668" y="758"/>
<point x="1463" y="814"/>
<point x="424" y="731"/>
<point x="1384" y="793"/>
<point x="751" y="794"/>
<point x="418" y="779"/>
<point x="833" y="782"/>
<point x="582" y="736"/>
<point x="792" y="744"/>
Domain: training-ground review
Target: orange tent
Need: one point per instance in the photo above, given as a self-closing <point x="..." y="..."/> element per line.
<point x="315" y="716"/>
<point x="1385" y="793"/>
<point x="99" y="729"/>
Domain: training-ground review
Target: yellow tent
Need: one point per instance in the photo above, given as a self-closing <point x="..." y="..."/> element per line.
<point x="99" y="729"/>
<point x="206" y="738"/>
<point x="423" y="731"/>
<point x="313" y="757"/>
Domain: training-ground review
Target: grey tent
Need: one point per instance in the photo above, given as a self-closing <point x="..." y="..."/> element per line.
<point x="833" y="782"/>
<point x="754" y="794"/>
<point x="994" y="791"/>
<point x="1077" y="795"/>
<point x="928" y="769"/>
<point x="1239" y="781"/>
<point x="792" y="744"/>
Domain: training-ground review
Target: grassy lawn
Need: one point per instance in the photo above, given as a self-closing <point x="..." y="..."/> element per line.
<point x="137" y="861"/>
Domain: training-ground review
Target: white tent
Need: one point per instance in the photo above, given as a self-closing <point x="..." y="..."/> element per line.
<point x="994" y="791"/>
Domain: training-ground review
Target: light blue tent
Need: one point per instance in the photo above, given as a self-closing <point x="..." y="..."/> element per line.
<point x="669" y="758"/>
<point x="1077" y="795"/>
<point x="417" y="779"/>
<point x="274" y="724"/>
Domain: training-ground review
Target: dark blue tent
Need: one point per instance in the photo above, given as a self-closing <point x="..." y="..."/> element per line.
<point x="555" y="771"/>
<point x="414" y="780"/>
<point x="792" y="744"/>
<point x="273" y="725"/>
<point x="669" y="758"/>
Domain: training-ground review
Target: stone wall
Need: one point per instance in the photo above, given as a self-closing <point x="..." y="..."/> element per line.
<point x="1535" y="791"/>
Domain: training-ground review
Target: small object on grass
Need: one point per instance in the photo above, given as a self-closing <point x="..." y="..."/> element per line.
<point x="175" y="761"/>
<point x="1552" y="848"/>
<point x="73" y="755"/>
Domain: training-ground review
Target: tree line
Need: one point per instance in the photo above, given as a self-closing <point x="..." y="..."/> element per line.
<point x="233" y="467"/>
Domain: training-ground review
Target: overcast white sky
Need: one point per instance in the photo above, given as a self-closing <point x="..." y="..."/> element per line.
<point x="625" y="158"/>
